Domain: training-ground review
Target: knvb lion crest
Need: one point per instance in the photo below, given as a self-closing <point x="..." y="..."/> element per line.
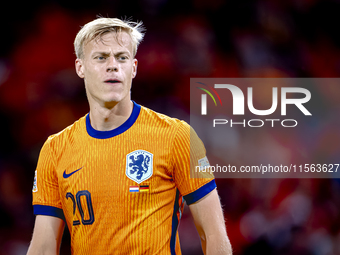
<point x="139" y="165"/>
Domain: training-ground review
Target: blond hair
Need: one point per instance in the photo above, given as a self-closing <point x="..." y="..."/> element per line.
<point x="100" y="26"/>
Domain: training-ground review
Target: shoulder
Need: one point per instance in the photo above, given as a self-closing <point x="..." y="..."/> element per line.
<point x="162" y="120"/>
<point x="175" y="130"/>
<point x="67" y="134"/>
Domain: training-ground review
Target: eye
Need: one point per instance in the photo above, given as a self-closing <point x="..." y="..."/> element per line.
<point x="122" y="58"/>
<point x="99" y="57"/>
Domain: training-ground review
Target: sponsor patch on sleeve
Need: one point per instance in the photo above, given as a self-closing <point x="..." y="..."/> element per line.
<point x="35" y="187"/>
<point x="203" y="163"/>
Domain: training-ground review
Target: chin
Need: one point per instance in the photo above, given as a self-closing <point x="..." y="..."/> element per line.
<point x="112" y="101"/>
<point x="114" y="98"/>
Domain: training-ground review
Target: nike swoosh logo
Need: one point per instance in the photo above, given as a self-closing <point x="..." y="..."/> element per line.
<point x="65" y="175"/>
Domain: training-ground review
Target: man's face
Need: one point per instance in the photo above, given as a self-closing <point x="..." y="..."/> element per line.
<point x="108" y="68"/>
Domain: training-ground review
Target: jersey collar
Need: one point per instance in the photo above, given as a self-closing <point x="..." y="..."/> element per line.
<point x="117" y="131"/>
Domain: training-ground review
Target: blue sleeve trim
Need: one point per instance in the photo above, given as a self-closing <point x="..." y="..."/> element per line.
<point x="201" y="192"/>
<point x="49" y="211"/>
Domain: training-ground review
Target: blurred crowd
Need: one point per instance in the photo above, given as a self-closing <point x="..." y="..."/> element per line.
<point x="40" y="94"/>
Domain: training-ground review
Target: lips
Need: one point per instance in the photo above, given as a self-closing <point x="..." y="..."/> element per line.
<point x="112" y="81"/>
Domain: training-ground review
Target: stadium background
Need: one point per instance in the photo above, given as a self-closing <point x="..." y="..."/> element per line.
<point x="40" y="94"/>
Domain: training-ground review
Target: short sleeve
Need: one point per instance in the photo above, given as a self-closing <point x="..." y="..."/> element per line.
<point x="189" y="154"/>
<point x="46" y="197"/>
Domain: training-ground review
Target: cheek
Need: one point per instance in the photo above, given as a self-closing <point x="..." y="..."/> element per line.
<point x="91" y="73"/>
<point x="132" y="72"/>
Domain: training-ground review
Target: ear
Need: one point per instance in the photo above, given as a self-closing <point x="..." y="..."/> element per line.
<point x="134" y="68"/>
<point x="80" y="68"/>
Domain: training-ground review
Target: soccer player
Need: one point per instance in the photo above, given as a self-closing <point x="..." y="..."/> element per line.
<point x="118" y="176"/>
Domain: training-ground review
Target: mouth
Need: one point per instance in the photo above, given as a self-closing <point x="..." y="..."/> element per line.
<point x="112" y="81"/>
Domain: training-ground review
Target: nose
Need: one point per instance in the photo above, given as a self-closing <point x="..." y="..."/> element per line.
<point x="112" y="65"/>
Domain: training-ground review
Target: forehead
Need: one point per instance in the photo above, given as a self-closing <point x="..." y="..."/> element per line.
<point x="111" y="41"/>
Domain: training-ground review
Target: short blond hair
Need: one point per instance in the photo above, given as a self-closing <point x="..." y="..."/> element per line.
<point x="100" y="26"/>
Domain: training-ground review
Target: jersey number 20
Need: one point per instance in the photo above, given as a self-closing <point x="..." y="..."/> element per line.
<point x="77" y="203"/>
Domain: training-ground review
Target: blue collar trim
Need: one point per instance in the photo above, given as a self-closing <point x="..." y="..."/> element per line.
<point x="117" y="131"/>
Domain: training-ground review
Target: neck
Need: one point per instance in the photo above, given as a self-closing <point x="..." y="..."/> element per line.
<point x="109" y="118"/>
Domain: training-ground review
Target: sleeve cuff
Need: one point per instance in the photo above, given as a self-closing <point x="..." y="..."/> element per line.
<point x="201" y="192"/>
<point x="48" y="211"/>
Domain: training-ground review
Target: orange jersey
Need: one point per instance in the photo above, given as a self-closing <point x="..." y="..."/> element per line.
<point x="121" y="191"/>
